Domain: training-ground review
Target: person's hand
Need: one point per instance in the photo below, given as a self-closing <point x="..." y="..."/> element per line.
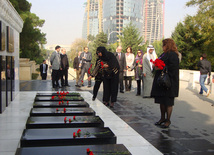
<point x="129" y="69"/>
<point x="156" y="68"/>
<point x="140" y="65"/>
<point x="60" y="68"/>
<point x="75" y="70"/>
<point x="89" y="78"/>
<point x="144" y="74"/>
<point x="105" y="66"/>
<point x="201" y="58"/>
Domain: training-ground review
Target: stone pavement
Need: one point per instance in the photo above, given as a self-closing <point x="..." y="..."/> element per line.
<point x="192" y="128"/>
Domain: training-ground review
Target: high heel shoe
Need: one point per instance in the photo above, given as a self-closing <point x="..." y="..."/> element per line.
<point x="106" y="103"/>
<point x="166" y="125"/>
<point x="160" y="122"/>
<point x="112" y="105"/>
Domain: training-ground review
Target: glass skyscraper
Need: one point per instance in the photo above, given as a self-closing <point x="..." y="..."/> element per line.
<point x="119" y="13"/>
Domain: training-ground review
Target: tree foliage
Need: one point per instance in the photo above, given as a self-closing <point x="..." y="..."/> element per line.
<point x="131" y="37"/>
<point x="195" y="34"/>
<point x="31" y="37"/>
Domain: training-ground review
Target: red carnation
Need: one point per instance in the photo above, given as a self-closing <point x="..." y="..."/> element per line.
<point x="52" y="97"/>
<point x="88" y="150"/>
<point x="70" y="120"/>
<point x="64" y="109"/>
<point x="102" y="64"/>
<point x="67" y="102"/>
<point x="137" y="61"/>
<point x="65" y="119"/>
<point x="74" y="117"/>
<point x="74" y="135"/>
<point x="158" y="63"/>
<point x="57" y="109"/>
<point x="91" y="153"/>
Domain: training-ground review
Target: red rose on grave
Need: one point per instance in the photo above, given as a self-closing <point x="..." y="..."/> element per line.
<point x="52" y="97"/>
<point x="64" y="109"/>
<point x="74" y="117"/>
<point x="67" y="102"/>
<point x="57" y="109"/>
<point x="78" y="131"/>
<point x="88" y="150"/>
<point x="74" y="135"/>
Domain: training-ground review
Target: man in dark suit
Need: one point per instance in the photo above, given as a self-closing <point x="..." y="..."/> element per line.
<point x="43" y="70"/>
<point x="77" y="68"/>
<point x="85" y="63"/>
<point x="65" y="67"/>
<point x="122" y="63"/>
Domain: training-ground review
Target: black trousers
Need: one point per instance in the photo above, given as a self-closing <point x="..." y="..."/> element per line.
<point x="121" y="81"/>
<point x="139" y="86"/>
<point x="64" y="77"/>
<point x="44" y="76"/>
<point x="96" y="87"/>
<point x="128" y="83"/>
<point x="55" y="77"/>
<point x="110" y="88"/>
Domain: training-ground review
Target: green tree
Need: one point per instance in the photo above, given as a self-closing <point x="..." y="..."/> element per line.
<point x="158" y="47"/>
<point x="131" y="37"/>
<point x="31" y="37"/>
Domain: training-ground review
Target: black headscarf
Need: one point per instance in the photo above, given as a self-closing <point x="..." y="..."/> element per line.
<point x="103" y="50"/>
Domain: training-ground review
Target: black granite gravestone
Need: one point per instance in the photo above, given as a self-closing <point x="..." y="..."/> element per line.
<point x="60" y="104"/>
<point x="109" y="149"/>
<point x="65" y="137"/>
<point x="61" y="122"/>
<point x="56" y="98"/>
<point x="62" y="112"/>
<point x="58" y="93"/>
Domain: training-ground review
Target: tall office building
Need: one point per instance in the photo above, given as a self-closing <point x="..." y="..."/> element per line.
<point x="92" y="22"/>
<point x="119" y="13"/>
<point x="153" y="20"/>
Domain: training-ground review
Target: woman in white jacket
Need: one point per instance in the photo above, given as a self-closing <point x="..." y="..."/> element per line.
<point x="130" y="59"/>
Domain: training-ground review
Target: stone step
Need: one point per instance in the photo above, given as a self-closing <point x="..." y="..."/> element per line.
<point x="109" y="149"/>
<point x="64" y="137"/>
<point x="60" y="104"/>
<point x="59" y="122"/>
<point x="69" y="112"/>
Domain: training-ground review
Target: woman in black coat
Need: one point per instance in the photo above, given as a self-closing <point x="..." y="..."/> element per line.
<point x="165" y="97"/>
<point x="111" y="76"/>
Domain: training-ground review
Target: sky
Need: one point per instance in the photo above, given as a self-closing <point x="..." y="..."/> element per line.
<point x="64" y="18"/>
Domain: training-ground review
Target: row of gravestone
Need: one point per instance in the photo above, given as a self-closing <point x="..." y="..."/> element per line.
<point x="63" y="123"/>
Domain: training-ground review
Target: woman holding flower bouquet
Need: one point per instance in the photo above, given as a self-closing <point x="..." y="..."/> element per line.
<point x="148" y="71"/>
<point x="166" y="96"/>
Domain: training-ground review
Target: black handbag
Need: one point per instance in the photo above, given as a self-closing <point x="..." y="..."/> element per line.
<point x="163" y="79"/>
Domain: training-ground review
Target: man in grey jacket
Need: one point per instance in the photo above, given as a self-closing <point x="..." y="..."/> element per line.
<point x="85" y="63"/>
<point x="55" y="63"/>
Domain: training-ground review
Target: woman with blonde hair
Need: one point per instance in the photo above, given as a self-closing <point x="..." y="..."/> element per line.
<point x="166" y="96"/>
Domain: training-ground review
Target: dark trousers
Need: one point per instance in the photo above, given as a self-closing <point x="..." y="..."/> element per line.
<point x="96" y="87"/>
<point x="110" y="88"/>
<point x="55" y="77"/>
<point x="64" y="77"/>
<point x="138" y="87"/>
<point x="121" y="81"/>
<point x="128" y="83"/>
<point x="44" y="76"/>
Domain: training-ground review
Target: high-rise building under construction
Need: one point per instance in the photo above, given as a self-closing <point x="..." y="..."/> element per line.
<point x="153" y="20"/>
<point x="92" y="22"/>
<point x="111" y="16"/>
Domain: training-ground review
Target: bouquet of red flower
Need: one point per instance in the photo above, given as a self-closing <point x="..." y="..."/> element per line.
<point x="158" y="63"/>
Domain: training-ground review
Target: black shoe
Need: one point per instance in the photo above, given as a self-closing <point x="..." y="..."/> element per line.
<point x="67" y="85"/>
<point x="78" y="86"/>
<point x="121" y="91"/>
<point x="83" y="85"/>
<point x="137" y="94"/>
<point x="89" y="86"/>
<point x="93" y="98"/>
<point x="160" y="122"/>
<point x="166" y="125"/>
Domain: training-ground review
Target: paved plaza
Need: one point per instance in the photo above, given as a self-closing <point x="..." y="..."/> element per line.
<point x="192" y="128"/>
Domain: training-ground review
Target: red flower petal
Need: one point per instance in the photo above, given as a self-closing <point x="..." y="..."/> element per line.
<point x="88" y="150"/>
